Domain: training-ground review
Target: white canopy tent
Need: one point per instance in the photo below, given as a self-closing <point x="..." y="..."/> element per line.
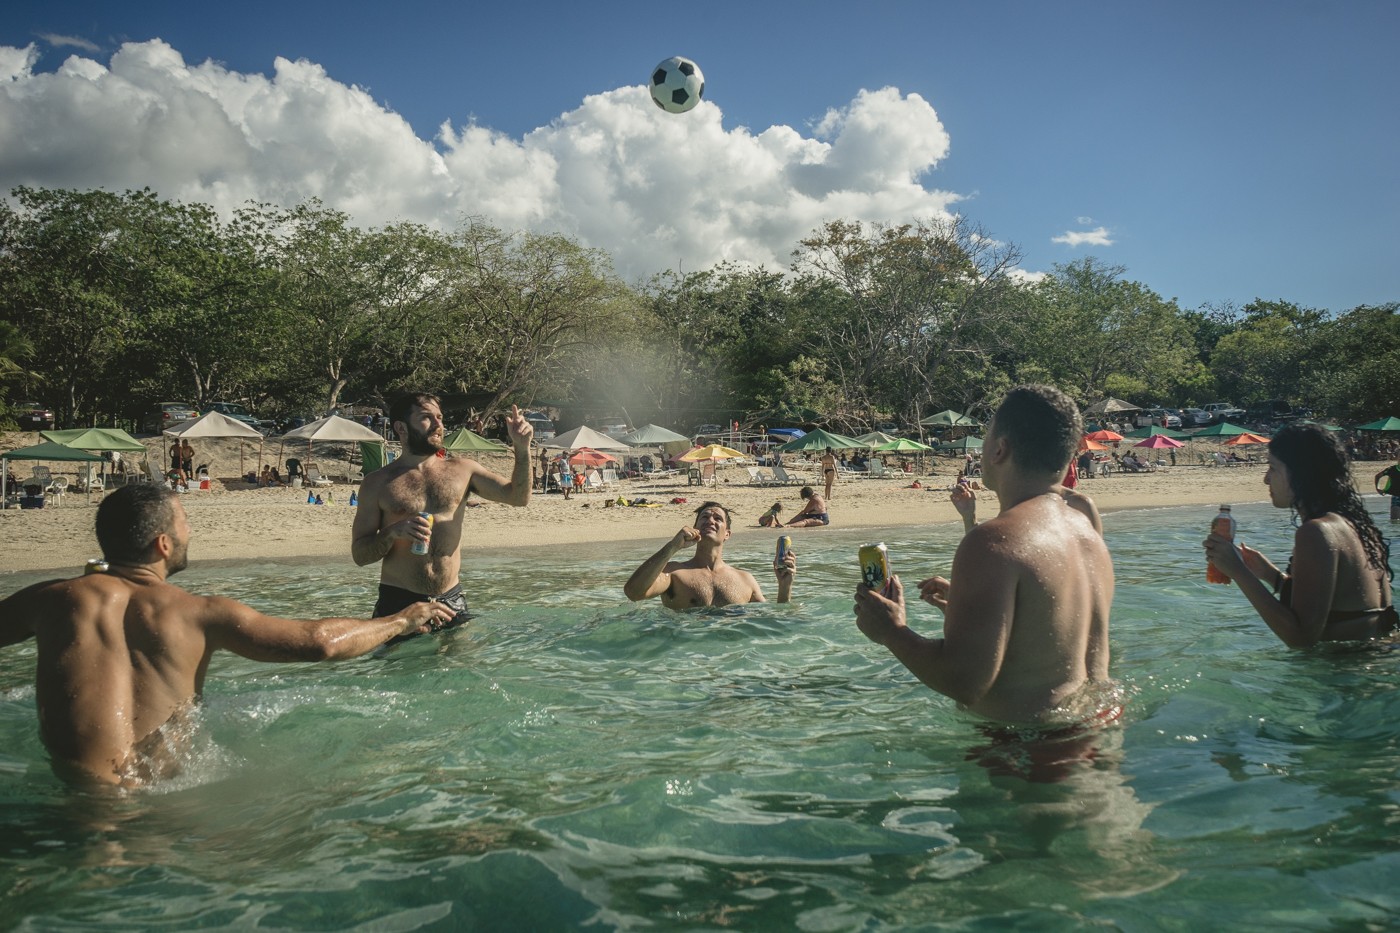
<point x="585" y="437"/>
<point x="215" y="424"/>
<point x="331" y="428"/>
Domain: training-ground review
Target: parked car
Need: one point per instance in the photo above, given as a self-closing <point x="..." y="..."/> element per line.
<point x="1275" y="409"/>
<point x="1221" y="412"/>
<point x="166" y="414"/>
<point x="1155" y="417"/>
<point x="614" y="428"/>
<point x="543" y="425"/>
<point x="1194" y="418"/>
<point x="240" y="413"/>
<point x="32" y="416"/>
<point x="707" y="430"/>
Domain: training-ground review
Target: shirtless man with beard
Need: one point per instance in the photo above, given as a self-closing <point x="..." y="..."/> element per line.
<point x="424" y="479"/>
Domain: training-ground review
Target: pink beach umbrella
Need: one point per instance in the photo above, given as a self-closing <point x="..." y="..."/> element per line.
<point x="1158" y="442"/>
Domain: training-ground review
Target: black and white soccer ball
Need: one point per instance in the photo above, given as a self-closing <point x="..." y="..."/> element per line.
<point x="677" y="84"/>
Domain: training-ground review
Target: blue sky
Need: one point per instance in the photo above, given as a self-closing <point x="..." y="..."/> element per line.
<point x="1218" y="151"/>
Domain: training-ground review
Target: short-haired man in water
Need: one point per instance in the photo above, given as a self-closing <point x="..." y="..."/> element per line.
<point x="705" y="579"/>
<point x="123" y="653"/>
<point x="423" y="479"/>
<point x="1026" y="617"/>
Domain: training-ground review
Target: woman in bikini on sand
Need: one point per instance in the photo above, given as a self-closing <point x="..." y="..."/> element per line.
<point x="1338" y="583"/>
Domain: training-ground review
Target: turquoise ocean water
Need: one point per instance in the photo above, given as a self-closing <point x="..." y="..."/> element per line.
<point x="575" y="761"/>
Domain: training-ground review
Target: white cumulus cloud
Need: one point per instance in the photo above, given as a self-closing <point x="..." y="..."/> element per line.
<point x="1099" y="236"/>
<point x="652" y="189"/>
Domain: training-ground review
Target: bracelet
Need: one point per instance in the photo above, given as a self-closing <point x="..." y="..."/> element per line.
<point x="1278" y="581"/>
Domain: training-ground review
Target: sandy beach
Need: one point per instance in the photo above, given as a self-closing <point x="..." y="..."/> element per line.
<point x="235" y="520"/>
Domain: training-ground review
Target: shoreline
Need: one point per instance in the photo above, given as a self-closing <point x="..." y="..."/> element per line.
<point x="270" y="524"/>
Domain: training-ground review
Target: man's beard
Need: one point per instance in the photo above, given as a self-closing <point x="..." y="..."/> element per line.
<point x="179" y="559"/>
<point x="420" y="445"/>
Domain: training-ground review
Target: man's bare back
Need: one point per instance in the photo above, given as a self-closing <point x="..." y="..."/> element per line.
<point x="1026" y="625"/>
<point x="122" y="653"/>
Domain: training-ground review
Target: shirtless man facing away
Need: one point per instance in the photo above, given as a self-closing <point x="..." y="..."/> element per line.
<point x="387" y="522"/>
<point x="123" y="653"/>
<point x="705" y="579"/>
<point x="1026" y="625"/>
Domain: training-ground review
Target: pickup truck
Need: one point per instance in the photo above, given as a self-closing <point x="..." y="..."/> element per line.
<point x="1221" y="412"/>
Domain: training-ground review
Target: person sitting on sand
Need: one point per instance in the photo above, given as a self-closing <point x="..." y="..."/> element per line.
<point x="1338" y="583"/>
<point x="813" y="513"/>
<point x="268" y="477"/>
<point x="123" y="653"/>
<point x="1025" y="630"/>
<point x="769" y="519"/>
<point x="705" y="579"/>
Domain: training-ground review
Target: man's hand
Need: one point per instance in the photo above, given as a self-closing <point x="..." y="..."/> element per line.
<point x="521" y="431"/>
<point x="934" y="591"/>
<point x="965" y="501"/>
<point x="414" y="528"/>
<point x="786" y="569"/>
<point x="685" y="538"/>
<point x="878" y="617"/>
<point x="427" y="616"/>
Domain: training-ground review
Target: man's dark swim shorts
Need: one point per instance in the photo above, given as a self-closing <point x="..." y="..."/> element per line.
<point x="394" y="599"/>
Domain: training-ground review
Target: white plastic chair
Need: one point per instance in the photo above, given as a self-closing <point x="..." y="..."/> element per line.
<point x="58" y="488"/>
<point x="314" y="477"/>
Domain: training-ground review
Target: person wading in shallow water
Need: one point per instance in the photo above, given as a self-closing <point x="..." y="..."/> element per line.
<point x="389" y="519"/>
<point x="123" y="653"/>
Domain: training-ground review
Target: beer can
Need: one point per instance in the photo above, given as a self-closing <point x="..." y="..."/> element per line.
<point x="421" y="547"/>
<point x="875" y="566"/>
<point x="95" y="565"/>
<point x="784" y="546"/>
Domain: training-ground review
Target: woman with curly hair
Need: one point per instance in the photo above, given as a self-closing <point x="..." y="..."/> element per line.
<point x="1337" y="586"/>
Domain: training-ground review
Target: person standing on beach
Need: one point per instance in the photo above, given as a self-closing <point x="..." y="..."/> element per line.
<point x="1025" y="630"/>
<point x="705" y="579"/>
<point x="389" y="519"/>
<point x="122" y="653"/>
<point x="828" y="470"/>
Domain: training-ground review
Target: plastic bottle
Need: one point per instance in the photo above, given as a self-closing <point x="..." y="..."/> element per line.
<point x="1223" y="525"/>
<point x="354" y="499"/>
<point x="311" y="497"/>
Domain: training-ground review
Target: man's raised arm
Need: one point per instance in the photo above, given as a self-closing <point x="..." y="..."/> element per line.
<point x="517" y="491"/>
<point x="648" y="580"/>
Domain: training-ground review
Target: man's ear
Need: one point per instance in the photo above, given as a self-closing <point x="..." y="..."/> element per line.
<point x="164" y="545"/>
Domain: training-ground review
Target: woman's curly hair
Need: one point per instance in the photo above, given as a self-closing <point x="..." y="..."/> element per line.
<point x="1319" y="473"/>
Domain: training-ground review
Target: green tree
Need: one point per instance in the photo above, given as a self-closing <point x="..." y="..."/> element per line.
<point x="1356" y="364"/>
<point x="1269" y="355"/>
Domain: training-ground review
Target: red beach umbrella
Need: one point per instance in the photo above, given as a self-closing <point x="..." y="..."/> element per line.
<point x="1159" y="441"/>
<point x="587" y="456"/>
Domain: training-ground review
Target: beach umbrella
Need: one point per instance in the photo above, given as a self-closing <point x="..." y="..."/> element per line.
<point x="820" y="440"/>
<point x="95" y="439"/>
<point x="217" y="424"/>
<point x="901" y="445"/>
<point x="1389" y="425"/>
<point x="1223" y="429"/>
<point x="465" y="441"/>
<point x="963" y="443"/>
<point x="710" y="452"/>
<point x="875" y="438"/>
<point x="650" y="435"/>
<point x="1086" y="444"/>
<point x="1159" y="442"/>
<point x="587" y="456"/>
<point x="1152" y="429"/>
<point x="1241" y="440"/>
<point x="950" y="419"/>
<point x="586" y="437"/>
<point x="1104" y="435"/>
<point x="47" y="450"/>
<point x="1109" y="406"/>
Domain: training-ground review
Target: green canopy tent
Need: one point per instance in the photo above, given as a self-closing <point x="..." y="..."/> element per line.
<point x="820" y="440"/>
<point x="963" y="443"/>
<point x="1223" y="429"/>
<point x="1156" y="430"/>
<point x="950" y="419"/>
<point x="1390" y="425"/>
<point x="48" y="450"/>
<point x="113" y="439"/>
<point x="876" y="438"/>
<point x="902" y="445"/>
<point x="459" y="441"/>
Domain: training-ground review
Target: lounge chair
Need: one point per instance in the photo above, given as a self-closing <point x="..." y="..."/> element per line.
<point x="314" y="477"/>
<point x="758" y="477"/>
<point x="875" y="469"/>
<point x="782" y="477"/>
<point x="610" y="478"/>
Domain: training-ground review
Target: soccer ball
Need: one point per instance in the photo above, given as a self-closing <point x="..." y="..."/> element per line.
<point x="677" y="84"/>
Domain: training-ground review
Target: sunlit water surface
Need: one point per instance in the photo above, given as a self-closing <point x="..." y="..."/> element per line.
<point x="573" y="760"/>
